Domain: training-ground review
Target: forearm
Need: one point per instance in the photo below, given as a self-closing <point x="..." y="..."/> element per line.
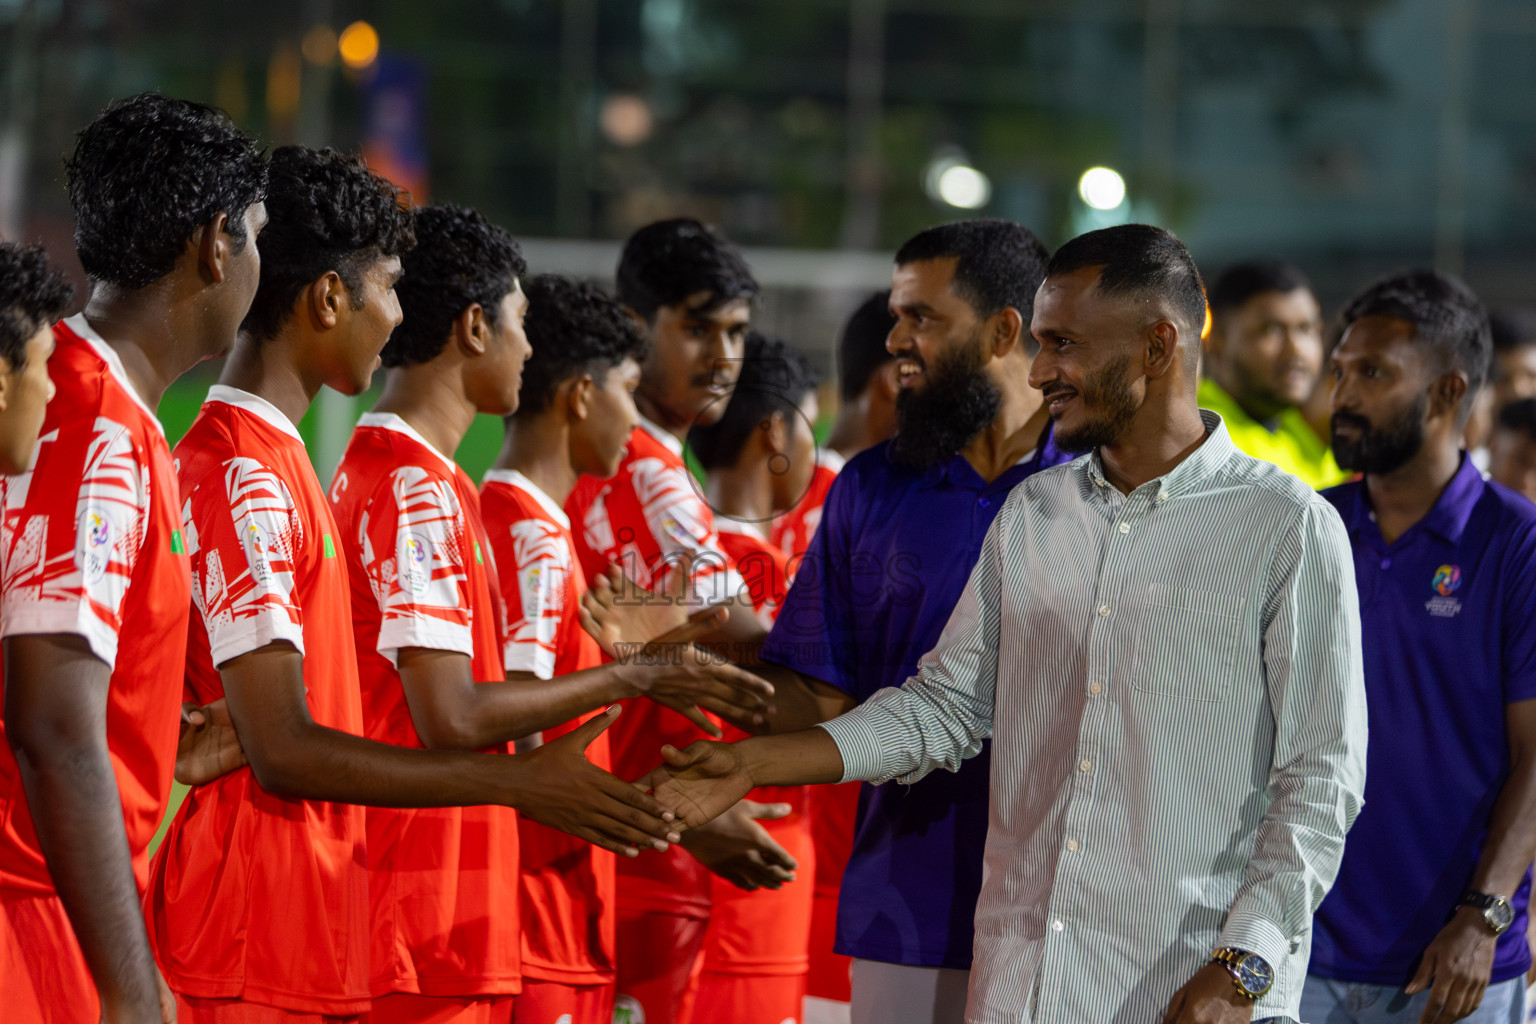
<point x="313" y="762"/>
<point x="79" y="820"/>
<point x="799" y="701"/>
<point x="1511" y="843"/>
<point x="504" y="711"/>
<point x="808" y="757"/>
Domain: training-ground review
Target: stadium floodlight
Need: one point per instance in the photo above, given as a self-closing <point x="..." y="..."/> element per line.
<point x="952" y="180"/>
<point x="1102" y="188"/>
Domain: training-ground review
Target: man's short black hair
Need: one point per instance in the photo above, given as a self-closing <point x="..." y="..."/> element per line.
<point x="574" y="328"/>
<point x="775" y="378"/>
<point x="1520" y="417"/>
<point x="1242" y="281"/>
<point x="665" y="262"/>
<point x="998" y="263"/>
<point x="1512" y="329"/>
<point x="1139" y="260"/>
<point x="325" y="211"/>
<point x="460" y="259"/>
<point x="1446" y="315"/>
<point x="861" y="350"/>
<point x="146" y="174"/>
<point x="32" y="295"/>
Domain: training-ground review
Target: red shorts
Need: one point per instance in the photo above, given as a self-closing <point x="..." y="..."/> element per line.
<point x="829" y="975"/>
<point x="43" y="977"/>
<point x="658" y="958"/>
<point x="407" y="1008"/>
<point x="746" y="999"/>
<point x="197" y="1010"/>
<point x="550" y="1002"/>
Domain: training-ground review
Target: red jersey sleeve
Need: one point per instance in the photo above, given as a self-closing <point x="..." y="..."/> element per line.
<point x="544" y="571"/>
<point x="682" y="526"/>
<point x="243" y="534"/>
<point x="74" y="529"/>
<point x="411" y="537"/>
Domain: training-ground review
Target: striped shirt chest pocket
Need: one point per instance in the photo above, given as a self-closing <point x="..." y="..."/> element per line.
<point x="1188" y="644"/>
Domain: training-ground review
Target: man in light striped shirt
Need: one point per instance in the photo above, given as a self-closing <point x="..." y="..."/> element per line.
<point x="1162" y="639"/>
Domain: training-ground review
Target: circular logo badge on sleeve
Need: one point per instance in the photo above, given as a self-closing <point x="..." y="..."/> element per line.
<point x="414" y="561"/>
<point x="93" y="544"/>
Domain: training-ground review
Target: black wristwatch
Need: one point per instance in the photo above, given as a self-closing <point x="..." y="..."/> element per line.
<point x="1498" y="915"/>
<point x="1250" y="972"/>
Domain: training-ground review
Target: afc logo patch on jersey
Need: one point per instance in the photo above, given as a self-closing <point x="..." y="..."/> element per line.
<point x="94" y="543"/>
<point x="413" y="562"/>
<point x="258" y="551"/>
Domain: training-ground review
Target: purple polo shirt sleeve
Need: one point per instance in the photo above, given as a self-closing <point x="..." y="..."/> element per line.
<point x="813" y="634"/>
<point x="1520" y="622"/>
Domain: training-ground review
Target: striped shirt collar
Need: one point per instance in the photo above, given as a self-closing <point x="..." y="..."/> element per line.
<point x="1198" y="466"/>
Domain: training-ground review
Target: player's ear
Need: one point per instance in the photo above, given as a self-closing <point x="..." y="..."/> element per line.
<point x="212" y="246"/>
<point x="775" y="432"/>
<point x="1007" y="329"/>
<point x="579" y="396"/>
<point x="471" y="330"/>
<point x="326" y="296"/>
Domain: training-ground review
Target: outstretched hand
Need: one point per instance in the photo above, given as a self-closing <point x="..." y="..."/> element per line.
<point x="699" y="783"/>
<point x="622" y="616"/>
<point x="690" y="680"/>
<point x="739" y="850"/>
<point x="208" y="746"/>
<point x="566" y="791"/>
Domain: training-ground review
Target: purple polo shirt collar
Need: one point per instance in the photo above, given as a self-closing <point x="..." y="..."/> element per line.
<point x="1446" y="520"/>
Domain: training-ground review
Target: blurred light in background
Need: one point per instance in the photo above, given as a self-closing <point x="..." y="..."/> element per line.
<point x="1102" y="188"/>
<point x="359" y="44"/>
<point x="319" y="45"/>
<point x="951" y="180"/>
<point x="626" y="119"/>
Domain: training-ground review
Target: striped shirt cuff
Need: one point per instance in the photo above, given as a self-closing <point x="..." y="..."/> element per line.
<point x="859" y="744"/>
<point x="1248" y="931"/>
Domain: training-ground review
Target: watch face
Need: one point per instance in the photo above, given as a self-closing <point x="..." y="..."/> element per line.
<point x="1500" y="916"/>
<point x="1255" y="973"/>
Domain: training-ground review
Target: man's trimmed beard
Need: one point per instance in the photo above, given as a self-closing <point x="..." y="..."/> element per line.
<point x="958" y="402"/>
<point x="1383" y="450"/>
<point x="1109" y="404"/>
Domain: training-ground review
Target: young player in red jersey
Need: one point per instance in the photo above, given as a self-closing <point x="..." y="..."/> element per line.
<point x="429" y="622"/>
<point x="866" y="416"/>
<point x="761" y="457"/>
<point x="93" y="605"/>
<point x="259" y="901"/>
<point x="692" y="292"/>
<point x="575" y="413"/>
<point x="32" y="296"/>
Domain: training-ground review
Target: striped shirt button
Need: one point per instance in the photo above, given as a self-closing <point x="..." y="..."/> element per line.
<point x="1072" y="845"/>
<point x="1103" y="610"/>
<point x="1085" y="765"/>
<point x="1095" y="688"/>
<point x="1125" y="527"/>
<point x="1057" y="925"/>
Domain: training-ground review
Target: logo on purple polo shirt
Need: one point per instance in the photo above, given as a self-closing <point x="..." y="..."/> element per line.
<point x="1446" y="582"/>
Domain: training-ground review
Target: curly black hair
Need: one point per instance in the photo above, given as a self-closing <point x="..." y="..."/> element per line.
<point x="665" y="262"/>
<point x="325" y="211"/>
<point x="146" y="174"/>
<point x="460" y="259"/>
<point x="775" y="377"/>
<point x="1447" y="317"/>
<point x="574" y="328"/>
<point x="32" y="294"/>
<point x="861" y="349"/>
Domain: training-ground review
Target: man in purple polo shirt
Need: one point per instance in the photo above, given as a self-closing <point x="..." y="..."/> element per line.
<point x="1427" y="919"/>
<point x="901" y="529"/>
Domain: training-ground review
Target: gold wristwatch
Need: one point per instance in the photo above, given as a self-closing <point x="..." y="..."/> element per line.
<point x="1250" y="972"/>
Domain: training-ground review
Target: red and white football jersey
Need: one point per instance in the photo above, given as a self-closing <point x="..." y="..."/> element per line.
<point x="92" y="546"/>
<point x="254" y="896"/>
<point x="763" y="567"/>
<point x="444" y="879"/>
<point x="792" y="530"/>
<point x="650" y="518"/>
<point x="568" y="896"/>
